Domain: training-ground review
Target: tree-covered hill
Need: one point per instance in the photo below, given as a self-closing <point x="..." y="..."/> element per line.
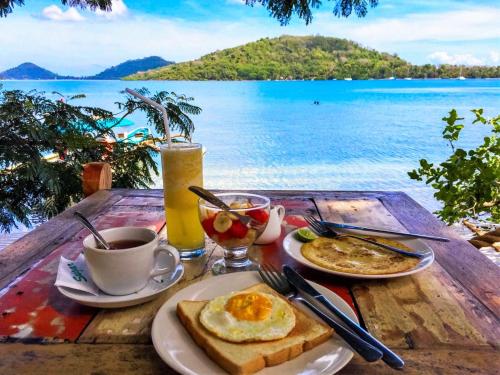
<point x="286" y="57"/>
<point x="28" y="70"/>
<point x="131" y="66"/>
<point x="32" y="71"/>
<point x="305" y="57"/>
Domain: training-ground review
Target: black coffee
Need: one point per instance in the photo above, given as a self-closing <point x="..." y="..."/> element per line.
<point x="125" y="244"/>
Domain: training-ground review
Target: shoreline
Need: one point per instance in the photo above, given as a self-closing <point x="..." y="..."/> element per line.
<point x="252" y="80"/>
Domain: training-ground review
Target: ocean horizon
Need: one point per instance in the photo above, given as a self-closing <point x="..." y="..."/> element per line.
<point x="363" y="134"/>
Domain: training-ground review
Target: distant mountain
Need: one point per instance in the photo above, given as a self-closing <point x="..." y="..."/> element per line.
<point x="306" y="57"/>
<point x="32" y="71"/>
<point x="28" y="71"/>
<point x="131" y="67"/>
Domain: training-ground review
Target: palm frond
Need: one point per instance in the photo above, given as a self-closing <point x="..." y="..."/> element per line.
<point x="33" y="126"/>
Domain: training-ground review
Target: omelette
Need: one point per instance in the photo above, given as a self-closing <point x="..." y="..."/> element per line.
<point x="351" y="255"/>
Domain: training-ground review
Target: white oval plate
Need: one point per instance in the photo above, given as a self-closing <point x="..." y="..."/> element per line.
<point x="176" y="347"/>
<point x="292" y="247"/>
<point x="154" y="287"/>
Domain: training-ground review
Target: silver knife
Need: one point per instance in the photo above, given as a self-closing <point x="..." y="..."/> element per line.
<point x="379" y="230"/>
<point x="389" y="357"/>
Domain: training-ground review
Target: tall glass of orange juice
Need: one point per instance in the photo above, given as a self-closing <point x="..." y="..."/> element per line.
<point x="182" y="166"/>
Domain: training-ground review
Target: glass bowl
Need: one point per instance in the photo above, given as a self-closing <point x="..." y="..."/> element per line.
<point x="231" y="233"/>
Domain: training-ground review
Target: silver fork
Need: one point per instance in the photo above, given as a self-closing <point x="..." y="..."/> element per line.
<point x="279" y="283"/>
<point x="324" y="231"/>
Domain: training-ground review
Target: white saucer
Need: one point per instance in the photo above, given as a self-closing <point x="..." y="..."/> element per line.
<point x="150" y="291"/>
<point x="176" y="347"/>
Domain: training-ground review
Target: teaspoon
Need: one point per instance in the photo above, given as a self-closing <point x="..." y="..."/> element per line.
<point x="211" y="198"/>
<point x="90" y="227"/>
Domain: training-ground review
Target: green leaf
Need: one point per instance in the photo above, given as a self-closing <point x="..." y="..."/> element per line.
<point x="467" y="183"/>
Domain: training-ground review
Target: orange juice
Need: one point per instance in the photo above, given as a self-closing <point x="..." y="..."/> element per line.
<point x="182" y="166"/>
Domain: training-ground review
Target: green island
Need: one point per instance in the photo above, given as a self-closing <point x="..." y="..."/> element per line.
<point x="306" y="57"/>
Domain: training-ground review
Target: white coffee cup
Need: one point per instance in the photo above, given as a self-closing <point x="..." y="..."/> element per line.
<point x="126" y="271"/>
<point x="273" y="228"/>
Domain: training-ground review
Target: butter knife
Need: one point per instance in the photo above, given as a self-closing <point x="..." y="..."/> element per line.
<point x="379" y="230"/>
<point x="389" y="357"/>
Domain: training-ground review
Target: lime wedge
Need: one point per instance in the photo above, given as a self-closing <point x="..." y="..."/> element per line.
<point x="305" y="235"/>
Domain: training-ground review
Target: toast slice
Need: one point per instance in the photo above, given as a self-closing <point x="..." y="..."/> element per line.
<point x="247" y="358"/>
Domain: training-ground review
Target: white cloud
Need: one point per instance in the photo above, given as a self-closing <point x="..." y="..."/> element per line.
<point x="442" y="57"/>
<point x="54" y="13"/>
<point x="463" y="25"/>
<point x="118" y="9"/>
<point x="494" y="57"/>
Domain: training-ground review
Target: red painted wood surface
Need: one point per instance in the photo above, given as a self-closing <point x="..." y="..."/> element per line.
<point x="33" y="309"/>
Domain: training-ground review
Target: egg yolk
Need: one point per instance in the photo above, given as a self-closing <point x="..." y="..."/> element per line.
<point x="249" y="306"/>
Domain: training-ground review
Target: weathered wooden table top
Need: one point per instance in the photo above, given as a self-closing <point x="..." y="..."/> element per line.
<point x="444" y="320"/>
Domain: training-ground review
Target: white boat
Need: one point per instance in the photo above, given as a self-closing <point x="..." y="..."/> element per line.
<point x="461" y="77"/>
<point x="391" y="78"/>
<point x="408" y="78"/>
<point x="348" y="79"/>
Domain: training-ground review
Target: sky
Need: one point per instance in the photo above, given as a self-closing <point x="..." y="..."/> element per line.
<point x="72" y="41"/>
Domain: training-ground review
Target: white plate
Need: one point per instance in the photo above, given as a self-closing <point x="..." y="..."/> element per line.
<point x="176" y="347"/>
<point x="292" y="247"/>
<point x="150" y="291"/>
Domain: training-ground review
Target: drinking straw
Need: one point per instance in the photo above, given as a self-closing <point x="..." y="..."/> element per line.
<point x="159" y="107"/>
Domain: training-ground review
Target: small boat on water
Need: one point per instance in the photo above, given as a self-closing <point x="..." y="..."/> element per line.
<point x="391" y="78"/>
<point x="348" y="79"/>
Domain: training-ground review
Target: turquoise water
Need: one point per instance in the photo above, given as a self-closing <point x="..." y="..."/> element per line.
<point x="363" y="135"/>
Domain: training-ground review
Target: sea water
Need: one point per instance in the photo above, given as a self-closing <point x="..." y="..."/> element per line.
<point x="361" y="135"/>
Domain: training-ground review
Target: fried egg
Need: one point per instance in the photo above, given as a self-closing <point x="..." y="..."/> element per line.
<point x="248" y="317"/>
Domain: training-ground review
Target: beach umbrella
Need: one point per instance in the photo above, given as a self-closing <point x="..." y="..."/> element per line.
<point x="106" y="123"/>
<point x="109" y="123"/>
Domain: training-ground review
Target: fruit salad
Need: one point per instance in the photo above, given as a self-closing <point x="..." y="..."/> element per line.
<point x="227" y="230"/>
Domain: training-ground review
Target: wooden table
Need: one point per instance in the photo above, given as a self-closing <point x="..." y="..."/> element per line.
<point x="443" y="320"/>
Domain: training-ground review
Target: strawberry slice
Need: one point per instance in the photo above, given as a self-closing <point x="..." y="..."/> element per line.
<point x="260" y="215"/>
<point x="208" y="226"/>
<point x="222" y="237"/>
<point x="238" y="229"/>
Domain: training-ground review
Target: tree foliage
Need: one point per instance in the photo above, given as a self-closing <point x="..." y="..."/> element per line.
<point x="468" y="182"/>
<point x="33" y="127"/>
<point x="7" y="6"/>
<point x="178" y="108"/>
<point x="282" y="10"/>
<point x="307" y="57"/>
